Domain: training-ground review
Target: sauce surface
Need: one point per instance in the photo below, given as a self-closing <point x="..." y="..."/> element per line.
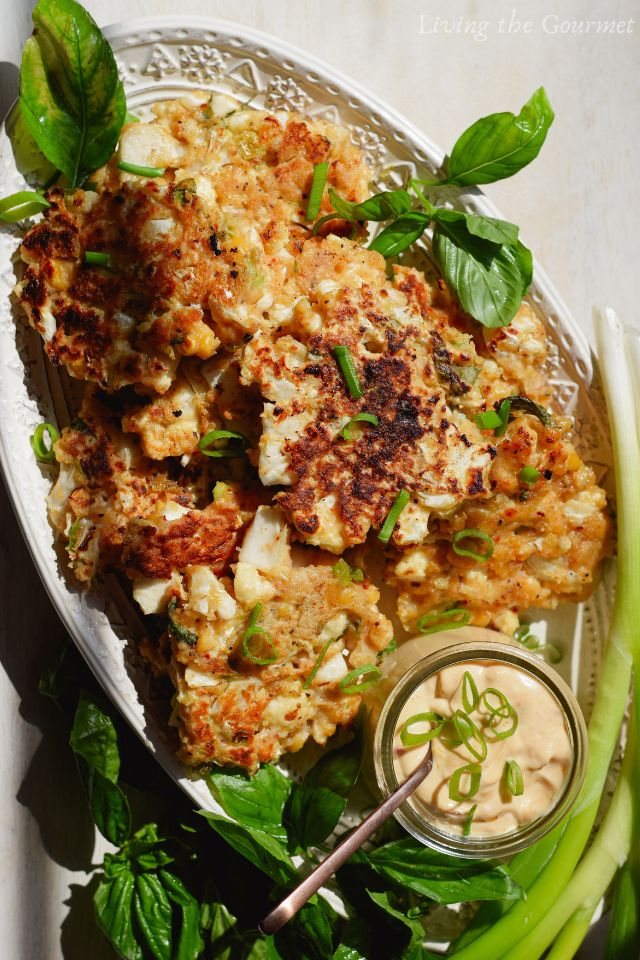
<point x="540" y="746"/>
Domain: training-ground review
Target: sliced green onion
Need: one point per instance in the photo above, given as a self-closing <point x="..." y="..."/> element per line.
<point x="351" y="684"/>
<point x="410" y="739"/>
<point x="529" y="474"/>
<point x="488" y="421"/>
<point x="474" y="772"/>
<point x="504" y="412"/>
<point x="149" y="172"/>
<point x="345" y="573"/>
<point x="513" y="778"/>
<point x="492" y="733"/>
<point x="443" y="620"/>
<point x="355" y="226"/>
<point x="466" y="830"/>
<point x="206" y="444"/>
<point x="78" y="533"/>
<point x="21" y="205"/>
<point x="550" y="653"/>
<point x="400" y="502"/>
<point x="470" y="695"/>
<point x="37" y="440"/>
<point x="359" y="418"/>
<point x="319" y="659"/>
<point x="100" y="259"/>
<point x="347" y="367"/>
<point x="320" y="172"/>
<point x="220" y="491"/>
<point x="178" y="632"/>
<point x="503" y="704"/>
<point x="467" y="730"/>
<point x="523" y="635"/>
<point x="252" y="631"/>
<point x="472" y="534"/>
<point x="391" y="647"/>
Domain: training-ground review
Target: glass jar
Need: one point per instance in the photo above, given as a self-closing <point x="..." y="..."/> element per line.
<point x="429" y="828"/>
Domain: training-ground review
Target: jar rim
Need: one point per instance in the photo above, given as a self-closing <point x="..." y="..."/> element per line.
<point x="428" y="831"/>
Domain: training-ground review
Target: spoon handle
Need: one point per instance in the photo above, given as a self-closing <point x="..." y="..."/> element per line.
<point x="281" y="914"/>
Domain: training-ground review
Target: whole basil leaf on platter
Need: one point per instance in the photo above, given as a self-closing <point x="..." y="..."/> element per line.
<point x="113" y="905"/>
<point x="415" y="928"/>
<point x="440" y="877"/>
<point x="387" y="205"/>
<point x="261" y="849"/>
<point x="71" y="96"/>
<point x="489" y="279"/>
<point x="497" y="146"/>
<point x="487" y="228"/>
<point x="154" y="915"/>
<point x="401" y="233"/>
<point x="256" y="801"/>
<point x="19" y="206"/>
<point x="317" y="803"/>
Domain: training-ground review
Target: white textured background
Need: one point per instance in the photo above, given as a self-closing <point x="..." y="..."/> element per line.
<point x="443" y="64"/>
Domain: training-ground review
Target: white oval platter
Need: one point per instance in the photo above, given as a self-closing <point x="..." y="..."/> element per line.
<point x="158" y="59"/>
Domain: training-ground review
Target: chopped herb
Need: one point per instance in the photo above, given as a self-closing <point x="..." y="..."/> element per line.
<point x="44" y="453"/>
<point x="470" y="695"/>
<point x="471" y="770"/>
<point x="179" y="633"/>
<point x="345" y="573"/>
<point x="412" y="739"/>
<point x="220" y="491"/>
<point x="472" y="534"/>
<point x="320" y="658"/>
<point x="253" y="630"/>
<point x="529" y="406"/>
<point x="100" y="259"/>
<point x="391" y="647"/>
<point x="466" y="830"/>
<point x="513" y="778"/>
<point x="529" y="474"/>
<point x="353" y="684"/>
<point x="318" y="182"/>
<point x="347" y="367"/>
<point x="207" y="444"/>
<point x="439" y="620"/>
<point x="346" y="431"/>
<point x="400" y="502"/>
<point x="185" y="191"/>
<point x="139" y="171"/>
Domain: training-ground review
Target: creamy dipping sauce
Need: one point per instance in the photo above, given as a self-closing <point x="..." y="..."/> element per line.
<point x="540" y="746"/>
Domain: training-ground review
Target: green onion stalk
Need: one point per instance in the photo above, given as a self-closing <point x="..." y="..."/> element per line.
<point x="557" y="894"/>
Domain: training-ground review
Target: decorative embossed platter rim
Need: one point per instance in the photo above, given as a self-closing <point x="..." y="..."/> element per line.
<point x="227" y="56"/>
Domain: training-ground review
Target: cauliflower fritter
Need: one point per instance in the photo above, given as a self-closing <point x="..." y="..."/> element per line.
<point x="199" y="254"/>
<point x="340" y="487"/>
<point x="548" y="536"/>
<point x="231" y="709"/>
<point x="113" y="506"/>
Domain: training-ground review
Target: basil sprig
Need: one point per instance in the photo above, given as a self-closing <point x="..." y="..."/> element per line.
<point x="501" y="144"/>
<point x="481" y="258"/>
<point x="71" y="97"/>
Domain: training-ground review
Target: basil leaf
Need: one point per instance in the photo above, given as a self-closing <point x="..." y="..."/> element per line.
<point x="19" y="206"/>
<point x="416" y="930"/>
<point x="113" y="905"/>
<point x="400" y="234"/>
<point x="264" y="851"/>
<point x="227" y="942"/>
<point x="308" y="935"/>
<point x="190" y="943"/>
<point x="486" y="277"/>
<point x="153" y="913"/>
<point x="256" y="801"/>
<point x="109" y="805"/>
<point x="71" y="97"/>
<point x="318" y="802"/>
<point x="501" y="144"/>
<point x="94" y="738"/>
<point x="382" y="206"/>
<point x="28" y="159"/>
<point x="440" y="877"/>
<point x="497" y="231"/>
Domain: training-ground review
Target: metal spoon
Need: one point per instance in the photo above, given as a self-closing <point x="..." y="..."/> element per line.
<point x="281" y="914"/>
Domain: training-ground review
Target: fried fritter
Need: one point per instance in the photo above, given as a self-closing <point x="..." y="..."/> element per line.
<point x="421" y="442"/>
<point x="200" y="254"/>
